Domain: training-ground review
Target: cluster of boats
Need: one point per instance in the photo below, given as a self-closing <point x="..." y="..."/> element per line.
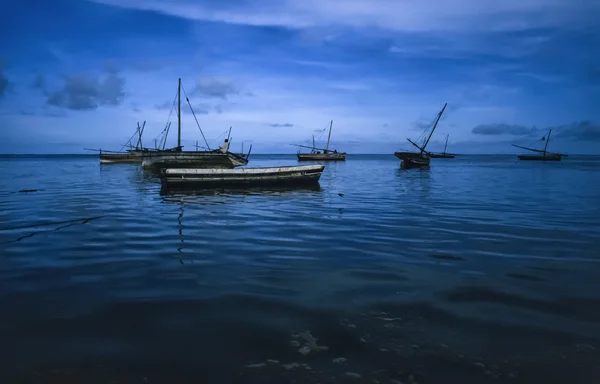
<point x="219" y="167"/>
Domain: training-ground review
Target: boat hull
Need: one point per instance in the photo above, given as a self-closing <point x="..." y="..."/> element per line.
<point x="120" y="158"/>
<point x="412" y="160"/>
<point x="172" y="178"/>
<point x="540" y="157"/>
<point x="321" y="156"/>
<point x="206" y="159"/>
<point x="441" y="156"/>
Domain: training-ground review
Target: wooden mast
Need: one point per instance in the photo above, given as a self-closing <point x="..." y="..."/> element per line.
<point x="547" y="140"/>
<point x="329" y="137"/>
<point x="179" y="115"/>
<point x="446" y="145"/>
<point x="434" y="125"/>
<point x="313" y="143"/>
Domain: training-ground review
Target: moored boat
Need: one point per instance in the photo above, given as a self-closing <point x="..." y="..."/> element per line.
<point x="317" y="155"/>
<point x="132" y="156"/>
<point x="422" y="158"/>
<point x="179" y="178"/>
<point x="443" y="155"/>
<point x="545" y="155"/>
<point x="177" y="158"/>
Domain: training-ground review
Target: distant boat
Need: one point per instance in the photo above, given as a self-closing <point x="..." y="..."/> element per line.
<point x="131" y="156"/>
<point x="442" y="155"/>
<point x="177" y="158"/>
<point x="421" y="158"/>
<point x="242" y="177"/>
<point x="326" y="155"/>
<point x="545" y="155"/>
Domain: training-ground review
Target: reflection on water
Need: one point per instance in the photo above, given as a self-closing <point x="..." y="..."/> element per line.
<point x="478" y="269"/>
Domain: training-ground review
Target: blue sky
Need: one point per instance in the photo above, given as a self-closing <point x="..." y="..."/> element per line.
<point x="79" y="73"/>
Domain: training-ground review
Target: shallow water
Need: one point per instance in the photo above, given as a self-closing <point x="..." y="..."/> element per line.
<point x="479" y="269"/>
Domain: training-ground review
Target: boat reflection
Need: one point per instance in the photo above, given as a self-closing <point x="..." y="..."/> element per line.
<point x="273" y="190"/>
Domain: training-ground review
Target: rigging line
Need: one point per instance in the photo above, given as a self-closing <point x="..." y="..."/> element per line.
<point x="166" y="128"/>
<point x="197" y="123"/>
<point x="128" y="141"/>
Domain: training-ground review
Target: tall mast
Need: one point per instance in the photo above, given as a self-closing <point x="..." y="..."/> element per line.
<point x="434" y="125"/>
<point x="313" y="143"/>
<point x="329" y="136"/>
<point x="446" y="145"/>
<point x="547" y="140"/>
<point x="179" y="115"/>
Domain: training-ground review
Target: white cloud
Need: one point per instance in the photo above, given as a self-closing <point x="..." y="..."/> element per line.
<point x="396" y="15"/>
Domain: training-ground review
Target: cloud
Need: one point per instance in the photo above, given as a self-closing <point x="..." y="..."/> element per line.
<point x="81" y="92"/>
<point x="215" y="88"/>
<point x="504" y="129"/>
<point x="281" y="125"/>
<point x="394" y="15"/>
<point x="582" y="131"/>
<point x="45" y="113"/>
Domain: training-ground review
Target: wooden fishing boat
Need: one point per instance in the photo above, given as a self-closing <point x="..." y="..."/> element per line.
<point x="317" y="155"/>
<point x="177" y="158"/>
<point x="131" y="156"/>
<point x="178" y="178"/>
<point x="442" y="155"/>
<point x="419" y="159"/>
<point x="545" y="155"/>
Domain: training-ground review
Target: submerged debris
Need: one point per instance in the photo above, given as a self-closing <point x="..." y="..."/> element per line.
<point x="291" y="366"/>
<point x="310" y="343"/>
<point x="353" y="375"/>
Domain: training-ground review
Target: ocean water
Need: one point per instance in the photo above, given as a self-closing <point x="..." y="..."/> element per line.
<point x="479" y="269"/>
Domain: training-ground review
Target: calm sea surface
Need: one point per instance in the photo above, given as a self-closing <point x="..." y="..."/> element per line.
<point x="480" y="269"/>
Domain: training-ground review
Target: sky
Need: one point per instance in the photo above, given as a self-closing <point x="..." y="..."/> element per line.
<point x="78" y="74"/>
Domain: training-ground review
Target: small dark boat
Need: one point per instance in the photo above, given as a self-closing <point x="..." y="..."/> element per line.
<point x="132" y="156"/>
<point x="442" y="155"/>
<point x="178" y="178"/>
<point x="177" y="158"/>
<point x="422" y="158"/>
<point x="317" y="155"/>
<point x="545" y="155"/>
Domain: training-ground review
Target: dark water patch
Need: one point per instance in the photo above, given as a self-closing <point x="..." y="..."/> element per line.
<point x="446" y="257"/>
<point x="27" y="190"/>
<point x="376" y="276"/>
<point x="576" y="308"/>
<point x="525" y="277"/>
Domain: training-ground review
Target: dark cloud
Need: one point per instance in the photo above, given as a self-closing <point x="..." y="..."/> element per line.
<point x="85" y="93"/>
<point x="281" y="125"/>
<point x="504" y="129"/>
<point x="215" y="88"/>
<point x="581" y="131"/>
